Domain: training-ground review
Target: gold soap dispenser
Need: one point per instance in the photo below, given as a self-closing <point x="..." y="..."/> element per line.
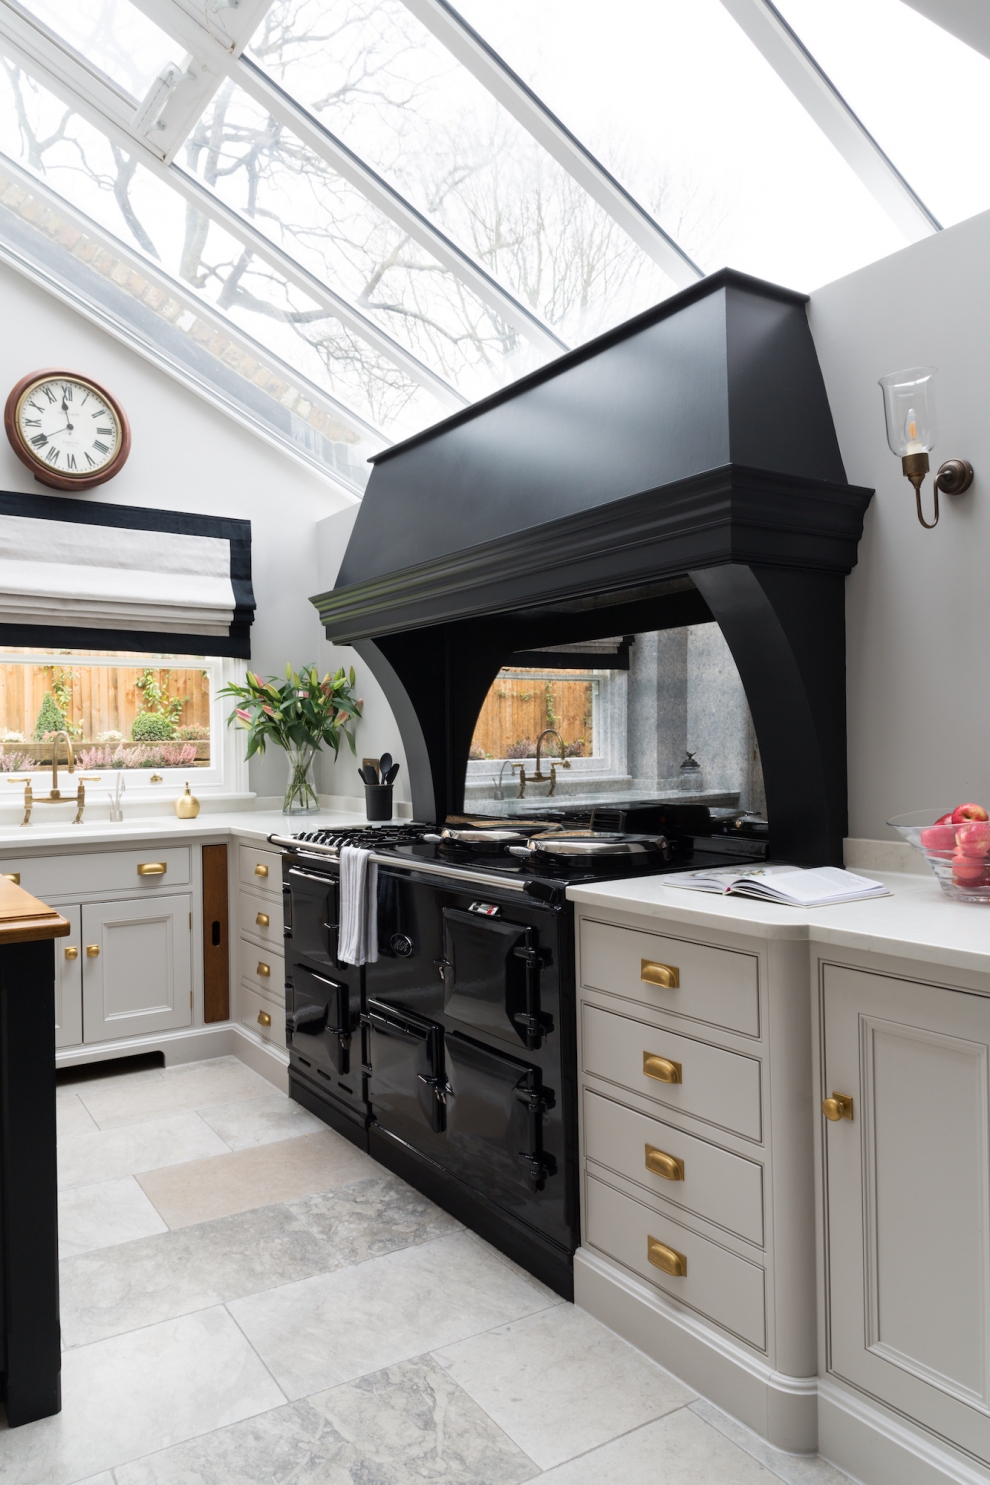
<point x="187" y="805"/>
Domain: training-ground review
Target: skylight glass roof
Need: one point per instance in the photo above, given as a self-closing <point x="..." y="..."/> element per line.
<point x="341" y="219"/>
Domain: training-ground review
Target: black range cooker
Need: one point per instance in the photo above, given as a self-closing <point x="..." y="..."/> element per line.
<point x="452" y="1058"/>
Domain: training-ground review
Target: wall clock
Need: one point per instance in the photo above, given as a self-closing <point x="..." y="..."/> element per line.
<point x="68" y="430"/>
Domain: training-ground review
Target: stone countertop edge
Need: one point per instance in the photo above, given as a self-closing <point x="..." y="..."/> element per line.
<point x="247" y="824"/>
<point x="917" y="922"/>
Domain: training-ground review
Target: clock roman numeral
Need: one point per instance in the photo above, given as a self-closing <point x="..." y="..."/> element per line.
<point x="35" y="406"/>
<point x="31" y="422"/>
<point x="67" y="391"/>
<point x="89" y="461"/>
<point x="52" y="455"/>
<point x="107" y="432"/>
<point x="39" y="440"/>
<point x="101" y="446"/>
<point x="70" y="459"/>
<point x="49" y="394"/>
<point x="100" y="413"/>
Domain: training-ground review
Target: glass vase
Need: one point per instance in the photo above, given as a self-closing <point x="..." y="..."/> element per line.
<point x="300" y="794"/>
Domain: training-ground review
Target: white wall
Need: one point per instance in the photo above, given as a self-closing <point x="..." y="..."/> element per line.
<point x="918" y="602"/>
<point x="186" y="456"/>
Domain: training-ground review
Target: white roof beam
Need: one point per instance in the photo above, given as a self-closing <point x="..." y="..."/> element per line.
<point x="967" y="20"/>
<point x="798" y="70"/>
<point x="474" y="53"/>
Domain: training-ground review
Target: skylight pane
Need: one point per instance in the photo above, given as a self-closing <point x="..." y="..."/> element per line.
<point x="144" y="211"/>
<point x="376" y="78"/>
<point x="113" y="36"/>
<point x="263" y="170"/>
<point x="684" y="110"/>
<point x="923" y="94"/>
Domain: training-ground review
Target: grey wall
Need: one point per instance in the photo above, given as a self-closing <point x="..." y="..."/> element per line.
<point x="918" y="603"/>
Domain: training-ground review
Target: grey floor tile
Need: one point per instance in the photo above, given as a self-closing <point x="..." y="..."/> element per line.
<point x="406" y="1425"/>
<point x="174" y="1273"/>
<point x="260" y="1121"/>
<point x="73" y="1117"/>
<point x="108" y="1154"/>
<point x="371" y="1217"/>
<point x="104" y="1214"/>
<point x="138" y="1393"/>
<point x="199" y="1085"/>
<point x="342" y="1325"/>
<point x="796" y="1469"/>
<point x="680" y="1449"/>
<point x="560" y="1383"/>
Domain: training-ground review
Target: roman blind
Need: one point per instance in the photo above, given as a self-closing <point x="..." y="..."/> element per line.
<point x="79" y="574"/>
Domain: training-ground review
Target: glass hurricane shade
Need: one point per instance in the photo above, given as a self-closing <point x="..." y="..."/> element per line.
<point x="909" y="407"/>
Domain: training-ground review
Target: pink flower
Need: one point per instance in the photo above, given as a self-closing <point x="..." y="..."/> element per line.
<point x="244" y="716"/>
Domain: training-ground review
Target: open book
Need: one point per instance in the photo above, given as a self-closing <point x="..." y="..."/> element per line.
<point x="818" y="886"/>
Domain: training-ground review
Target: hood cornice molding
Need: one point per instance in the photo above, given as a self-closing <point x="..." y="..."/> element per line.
<point x="732" y="514"/>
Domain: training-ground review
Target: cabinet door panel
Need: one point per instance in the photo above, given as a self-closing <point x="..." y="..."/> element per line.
<point x="141" y="979"/>
<point x="68" y="983"/>
<point x="909" y="1198"/>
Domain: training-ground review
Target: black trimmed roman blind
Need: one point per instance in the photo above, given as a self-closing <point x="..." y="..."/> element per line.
<point x="76" y="574"/>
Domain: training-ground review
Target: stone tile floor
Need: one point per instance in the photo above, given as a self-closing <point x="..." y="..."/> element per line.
<point x="249" y="1300"/>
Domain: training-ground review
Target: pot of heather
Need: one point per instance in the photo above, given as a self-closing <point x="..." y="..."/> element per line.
<point x="298" y="715"/>
<point x="956" y="846"/>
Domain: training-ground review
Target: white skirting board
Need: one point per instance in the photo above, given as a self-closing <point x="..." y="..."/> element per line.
<point x="879" y="1448"/>
<point x="191" y="1044"/>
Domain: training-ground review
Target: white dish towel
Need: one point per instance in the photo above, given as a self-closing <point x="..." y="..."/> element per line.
<point x="358" y="941"/>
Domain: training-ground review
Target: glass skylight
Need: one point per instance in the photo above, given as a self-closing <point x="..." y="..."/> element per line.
<point x="113" y="36"/>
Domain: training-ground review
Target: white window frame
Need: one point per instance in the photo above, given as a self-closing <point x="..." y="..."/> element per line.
<point x="227" y="774"/>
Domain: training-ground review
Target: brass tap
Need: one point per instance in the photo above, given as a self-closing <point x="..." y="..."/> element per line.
<point x="539" y="775"/>
<point x="71" y="760"/>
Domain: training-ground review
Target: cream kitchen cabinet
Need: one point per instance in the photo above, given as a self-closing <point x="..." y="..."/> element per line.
<point x="907" y="1198"/>
<point x="137" y="966"/>
<point x="68" y="981"/>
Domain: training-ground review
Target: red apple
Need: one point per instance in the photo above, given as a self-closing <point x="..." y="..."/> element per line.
<point x="974" y="839"/>
<point x="944" y="819"/>
<point x="942" y="837"/>
<point x="966" y="870"/>
<point x="963" y="812"/>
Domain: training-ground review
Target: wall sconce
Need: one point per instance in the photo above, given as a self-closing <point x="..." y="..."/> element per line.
<point x="909" y="407"/>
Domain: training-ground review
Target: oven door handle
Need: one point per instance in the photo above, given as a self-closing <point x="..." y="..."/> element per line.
<point x="430" y="868"/>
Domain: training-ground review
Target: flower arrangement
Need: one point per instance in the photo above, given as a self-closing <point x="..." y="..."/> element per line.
<point x="298" y="715"/>
<point x="15" y="762"/>
<point x="164" y="755"/>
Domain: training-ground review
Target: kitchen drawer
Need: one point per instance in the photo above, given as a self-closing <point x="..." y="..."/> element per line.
<point x="718" y="1086"/>
<point x="717" y="1185"/>
<point x="253" y="905"/>
<point x="253" y="963"/>
<point x="718" y="1284"/>
<point x="717" y="986"/>
<point x="100" y="872"/>
<point x="262" y="1015"/>
<point x="261" y="869"/>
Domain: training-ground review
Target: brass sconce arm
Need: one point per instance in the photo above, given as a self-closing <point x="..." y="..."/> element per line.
<point x="953" y="477"/>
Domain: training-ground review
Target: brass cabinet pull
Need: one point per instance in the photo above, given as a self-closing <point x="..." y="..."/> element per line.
<point x="262" y="920"/>
<point x="667" y="976"/>
<point x="72" y="952"/>
<point x="92" y="951"/>
<point x="662" y="1164"/>
<point x="264" y="970"/>
<point x="661" y="1068"/>
<point x="13" y="876"/>
<point x="152" y="868"/>
<point x="260" y="870"/>
<point x="839" y="1106"/>
<point x="666" y="1259"/>
<point x="264" y="1019"/>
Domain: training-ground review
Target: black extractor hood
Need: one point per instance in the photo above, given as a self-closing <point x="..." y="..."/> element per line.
<point x="682" y="468"/>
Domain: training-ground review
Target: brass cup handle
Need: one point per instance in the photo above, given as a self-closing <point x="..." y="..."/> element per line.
<point x="662" y="1164"/>
<point x="260" y="870"/>
<point x="152" y="868"/>
<point x="264" y="1019"/>
<point x="264" y="970"/>
<point x="839" y="1106"/>
<point x="668" y="1260"/>
<point x="661" y="1068"/>
<point x="13" y="876"/>
<point x="667" y="976"/>
<point x="262" y="920"/>
<point x="92" y="951"/>
<point x="72" y="952"/>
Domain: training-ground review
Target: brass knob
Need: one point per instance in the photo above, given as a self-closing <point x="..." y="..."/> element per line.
<point x="667" y="1259"/>
<point x="839" y="1106"/>
<point x="264" y="1019"/>
<point x="667" y="976"/>
<point x="92" y="951"/>
<point x="13" y="876"/>
<point x="262" y="920"/>
<point x="152" y="868"/>
<point x="264" y="970"/>
<point x="662" y="1164"/>
<point x="661" y="1068"/>
<point x="72" y="952"/>
<point x="260" y="870"/>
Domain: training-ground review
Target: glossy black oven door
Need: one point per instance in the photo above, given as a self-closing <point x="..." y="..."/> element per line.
<point x="312" y="916"/>
<point x="405" y="1083"/>
<point x="319" y="1018"/>
<point x="491" y="977"/>
<point x="495" y="1109"/>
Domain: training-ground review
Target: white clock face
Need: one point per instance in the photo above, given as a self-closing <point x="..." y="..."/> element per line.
<point x="68" y="427"/>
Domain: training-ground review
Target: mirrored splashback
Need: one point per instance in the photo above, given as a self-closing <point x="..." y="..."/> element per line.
<point x="654" y="716"/>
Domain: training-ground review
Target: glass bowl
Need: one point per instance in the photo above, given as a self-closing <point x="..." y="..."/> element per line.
<point x="959" y="855"/>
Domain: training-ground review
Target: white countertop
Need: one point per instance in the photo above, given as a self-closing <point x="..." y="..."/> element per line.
<point x="254" y="825"/>
<point x="917" y="922"/>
